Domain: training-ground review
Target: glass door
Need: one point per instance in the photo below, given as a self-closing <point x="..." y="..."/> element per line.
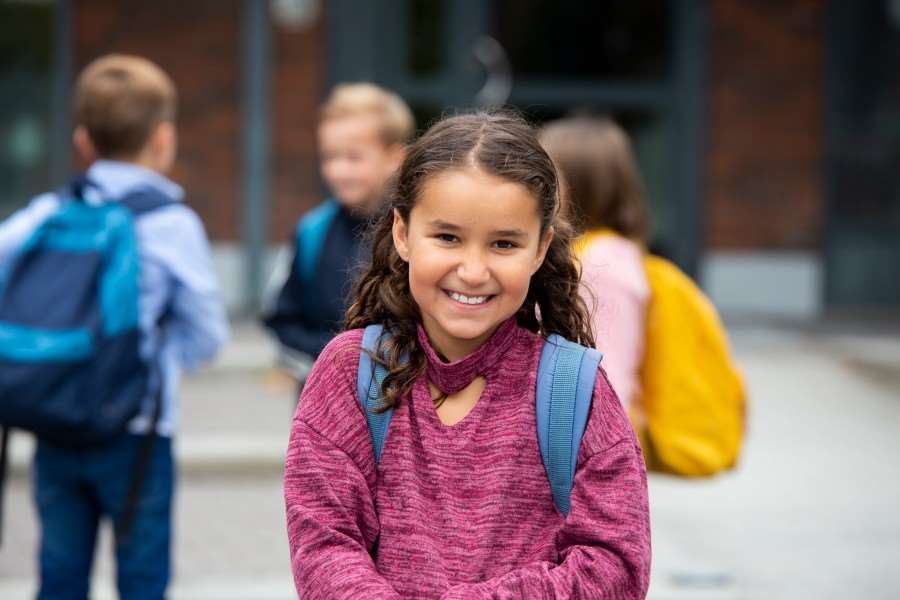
<point x="862" y="248"/>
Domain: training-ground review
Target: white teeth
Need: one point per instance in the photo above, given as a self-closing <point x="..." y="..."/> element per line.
<point x="468" y="299"/>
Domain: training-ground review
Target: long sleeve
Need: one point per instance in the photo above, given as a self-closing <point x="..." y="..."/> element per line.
<point x="328" y="485"/>
<point x="331" y="522"/>
<point x="604" y="544"/>
<point x="17" y="228"/>
<point x="180" y="284"/>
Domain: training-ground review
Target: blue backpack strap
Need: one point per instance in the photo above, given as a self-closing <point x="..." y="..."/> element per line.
<point x="75" y="188"/>
<point x="144" y="199"/>
<point x="138" y="200"/>
<point x="565" y="386"/>
<point x="311" y="232"/>
<point x="369" y="378"/>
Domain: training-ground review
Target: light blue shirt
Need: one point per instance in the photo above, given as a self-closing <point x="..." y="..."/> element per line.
<point x="176" y="274"/>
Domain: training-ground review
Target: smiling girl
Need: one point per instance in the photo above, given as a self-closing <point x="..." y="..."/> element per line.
<point x="472" y="269"/>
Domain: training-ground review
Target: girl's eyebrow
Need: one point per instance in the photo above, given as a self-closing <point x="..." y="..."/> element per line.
<point x="507" y="233"/>
<point x="438" y="224"/>
<point x="511" y="233"/>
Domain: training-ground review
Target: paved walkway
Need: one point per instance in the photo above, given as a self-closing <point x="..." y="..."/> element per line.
<point x="810" y="514"/>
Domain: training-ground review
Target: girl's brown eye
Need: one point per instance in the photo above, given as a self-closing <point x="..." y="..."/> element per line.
<point x="505" y="244"/>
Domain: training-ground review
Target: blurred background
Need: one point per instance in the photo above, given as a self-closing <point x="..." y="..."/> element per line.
<point x="768" y="135"/>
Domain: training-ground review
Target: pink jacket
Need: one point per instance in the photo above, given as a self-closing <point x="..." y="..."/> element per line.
<point x="614" y="286"/>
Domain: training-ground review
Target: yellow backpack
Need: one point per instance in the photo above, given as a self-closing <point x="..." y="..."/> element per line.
<point x="690" y="417"/>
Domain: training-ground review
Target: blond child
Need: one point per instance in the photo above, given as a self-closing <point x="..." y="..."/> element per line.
<point x="362" y="133"/>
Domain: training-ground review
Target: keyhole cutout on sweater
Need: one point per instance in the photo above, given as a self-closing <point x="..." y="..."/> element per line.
<point x="455" y="408"/>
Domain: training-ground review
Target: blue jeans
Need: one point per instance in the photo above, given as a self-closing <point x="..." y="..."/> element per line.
<point x="74" y="489"/>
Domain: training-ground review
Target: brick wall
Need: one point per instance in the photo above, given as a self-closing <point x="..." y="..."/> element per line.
<point x="298" y="87"/>
<point x="765" y="127"/>
<point x="198" y="42"/>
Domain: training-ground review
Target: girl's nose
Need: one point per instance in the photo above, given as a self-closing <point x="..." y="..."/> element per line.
<point x="473" y="269"/>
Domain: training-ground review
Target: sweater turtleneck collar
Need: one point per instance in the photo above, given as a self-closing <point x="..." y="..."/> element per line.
<point x="453" y="377"/>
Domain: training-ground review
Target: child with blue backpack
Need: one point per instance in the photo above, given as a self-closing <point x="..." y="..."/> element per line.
<point x="106" y="294"/>
<point x="459" y="439"/>
<point x="362" y="133"/>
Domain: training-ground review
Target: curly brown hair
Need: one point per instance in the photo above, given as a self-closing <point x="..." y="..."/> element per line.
<point x="500" y="144"/>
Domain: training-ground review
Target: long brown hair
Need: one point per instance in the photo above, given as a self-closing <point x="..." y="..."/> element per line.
<point x="501" y="144"/>
<point x="602" y="188"/>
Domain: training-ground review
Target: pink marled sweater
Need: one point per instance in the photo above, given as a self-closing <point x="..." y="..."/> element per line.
<point x="461" y="511"/>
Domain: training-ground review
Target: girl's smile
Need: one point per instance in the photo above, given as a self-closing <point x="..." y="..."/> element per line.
<point x="472" y="242"/>
<point x="468" y="300"/>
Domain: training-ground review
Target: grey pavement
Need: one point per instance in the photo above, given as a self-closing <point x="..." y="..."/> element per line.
<point x="810" y="513"/>
<point x="230" y="534"/>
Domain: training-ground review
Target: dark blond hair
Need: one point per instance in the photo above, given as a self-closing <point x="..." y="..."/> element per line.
<point x="396" y="124"/>
<point x="601" y="182"/>
<point x="500" y="144"/>
<point x="120" y="100"/>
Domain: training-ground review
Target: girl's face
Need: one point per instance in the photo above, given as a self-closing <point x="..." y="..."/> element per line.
<point x="472" y="242"/>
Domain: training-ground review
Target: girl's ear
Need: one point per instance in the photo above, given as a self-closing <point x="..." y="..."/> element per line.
<point x="400" y="231"/>
<point x="542" y="250"/>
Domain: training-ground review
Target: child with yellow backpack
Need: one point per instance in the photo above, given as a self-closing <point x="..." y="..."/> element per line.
<point x="665" y="349"/>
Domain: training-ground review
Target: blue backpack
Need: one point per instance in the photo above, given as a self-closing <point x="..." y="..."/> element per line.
<point x="70" y="367"/>
<point x="565" y="385"/>
<point x="310" y="237"/>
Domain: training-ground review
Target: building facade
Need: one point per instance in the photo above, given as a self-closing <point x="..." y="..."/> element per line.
<point x="768" y="132"/>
